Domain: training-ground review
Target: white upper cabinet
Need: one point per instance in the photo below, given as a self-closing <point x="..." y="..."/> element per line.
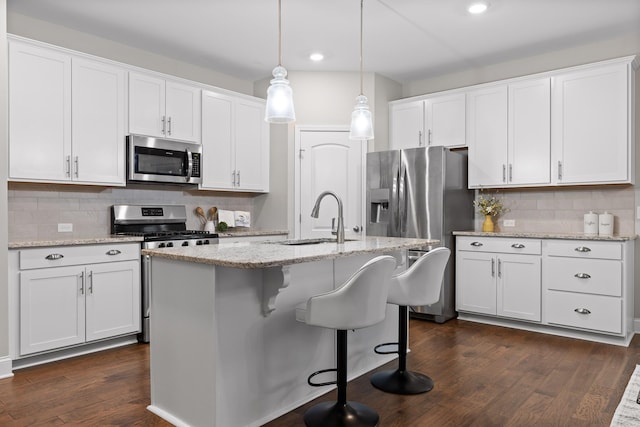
<point x="592" y="125"/>
<point x="47" y="88"/>
<point x="39" y="113"/>
<point x="487" y="136"/>
<point x="437" y="120"/>
<point x="406" y="125"/>
<point x="445" y="120"/>
<point x="163" y="108"/>
<point x="235" y="143"/>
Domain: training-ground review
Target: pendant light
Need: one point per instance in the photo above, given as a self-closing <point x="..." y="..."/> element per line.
<point x="279" y="95"/>
<point x="361" y="123"/>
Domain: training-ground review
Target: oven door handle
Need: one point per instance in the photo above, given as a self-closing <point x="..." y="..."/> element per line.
<point x="190" y="164"/>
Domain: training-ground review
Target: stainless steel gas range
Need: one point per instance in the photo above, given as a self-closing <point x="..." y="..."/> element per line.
<point x="161" y="226"/>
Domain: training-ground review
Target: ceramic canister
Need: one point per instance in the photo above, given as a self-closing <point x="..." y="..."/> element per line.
<point x="605" y="224"/>
<point x="591" y="223"/>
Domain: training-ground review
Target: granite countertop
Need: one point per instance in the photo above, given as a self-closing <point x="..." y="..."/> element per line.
<point x="273" y="254"/>
<point x="251" y="232"/>
<point x="545" y="235"/>
<point x="93" y="240"/>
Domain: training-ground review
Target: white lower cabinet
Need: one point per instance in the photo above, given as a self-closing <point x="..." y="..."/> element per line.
<point x="579" y="288"/>
<point x="63" y="301"/>
<point x="499" y="277"/>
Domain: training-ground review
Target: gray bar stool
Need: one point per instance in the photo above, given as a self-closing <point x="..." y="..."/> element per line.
<point x="418" y="285"/>
<point x="358" y="303"/>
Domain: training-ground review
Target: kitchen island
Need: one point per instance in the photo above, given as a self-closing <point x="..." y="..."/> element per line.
<point x="226" y="349"/>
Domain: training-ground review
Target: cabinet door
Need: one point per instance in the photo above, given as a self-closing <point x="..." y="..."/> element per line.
<point x="146" y="105"/>
<point x="52" y="308"/>
<point x="529" y="141"/>
<point x="487" y="136"/>
<point x="251" y="146"/>
<point x="183" y="112"/>
<point x="113" y="299"/>
<point x="519" y="286"/>
<point x="445" y="120"/>
<point x="98" y="128"/>
<point x="591" y="126"/>
<point x="217" y="140"/>
<point x="476" y="282"/>
<point x="40" y="119"/>
<point x="406" y="124"/>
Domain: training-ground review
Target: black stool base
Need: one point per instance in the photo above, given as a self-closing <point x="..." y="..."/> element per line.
<point x="402" y="382"/>
<point x="335" y="414"/>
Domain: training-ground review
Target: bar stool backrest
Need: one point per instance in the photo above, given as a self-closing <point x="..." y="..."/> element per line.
<point x="421" y="283"/>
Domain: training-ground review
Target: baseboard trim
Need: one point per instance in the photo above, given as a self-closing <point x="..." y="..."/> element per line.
<point x="636" y="326"/>
<point x="5" y="367"/>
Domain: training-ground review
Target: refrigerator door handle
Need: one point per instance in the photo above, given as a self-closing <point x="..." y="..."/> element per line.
<point x="402" y="200"/>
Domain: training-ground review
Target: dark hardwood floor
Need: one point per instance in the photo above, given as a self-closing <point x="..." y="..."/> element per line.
<point x="484" y="376"/>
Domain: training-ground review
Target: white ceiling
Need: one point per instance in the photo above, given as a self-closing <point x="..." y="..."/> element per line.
<point x="403" y="39"/>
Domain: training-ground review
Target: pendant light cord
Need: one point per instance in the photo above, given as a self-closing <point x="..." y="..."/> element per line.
<point x="361" y="68"/>
<point x="280" y="32"/>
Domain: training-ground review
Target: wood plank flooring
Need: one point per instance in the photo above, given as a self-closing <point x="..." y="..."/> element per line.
<point x="484" y="376"/>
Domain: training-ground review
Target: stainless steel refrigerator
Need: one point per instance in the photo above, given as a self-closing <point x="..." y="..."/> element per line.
<point x="422" y="193"/>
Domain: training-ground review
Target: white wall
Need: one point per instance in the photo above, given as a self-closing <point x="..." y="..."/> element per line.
<point x="4" y="287"/>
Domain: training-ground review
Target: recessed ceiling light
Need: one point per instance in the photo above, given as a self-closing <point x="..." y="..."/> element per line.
<point x="316" y="57"/>
<point x="477" y="8"/>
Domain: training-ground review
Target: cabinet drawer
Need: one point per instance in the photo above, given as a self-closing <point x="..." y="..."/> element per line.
<point x="595" y="276"/>
<point x="603" y="313"/>
<point x="583" y="249"/>
<point x="499" y="244"/>
<point x="58" y="256"/>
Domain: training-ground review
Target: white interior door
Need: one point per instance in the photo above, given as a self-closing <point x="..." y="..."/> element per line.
<point x="328" y="160"/>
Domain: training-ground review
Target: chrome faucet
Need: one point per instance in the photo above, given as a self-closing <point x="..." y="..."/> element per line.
<point x="316" y="211"/>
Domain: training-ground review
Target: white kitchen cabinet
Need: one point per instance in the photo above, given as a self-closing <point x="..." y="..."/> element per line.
<point x="499" y="277"/>
<point x="406" y="125"/>
<point x="437" y="120"/>
<point x="164" y="108"/>
<point x="509" y="134"/>
<point x="67" y="117"/>
<point x="445" y="120"/>
<point x="592" y="123"/>
<point x="235" y="143"/>
<point x="66" y="301"/>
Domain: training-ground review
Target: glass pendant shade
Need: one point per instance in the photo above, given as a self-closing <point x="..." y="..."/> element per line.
<point x="361" y="122"/>
<point x="279" y="98"/>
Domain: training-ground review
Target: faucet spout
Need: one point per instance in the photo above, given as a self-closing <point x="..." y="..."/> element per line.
<point x="316" y="211"/>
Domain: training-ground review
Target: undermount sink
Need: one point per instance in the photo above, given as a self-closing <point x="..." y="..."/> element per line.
<point x="295" y="242"/>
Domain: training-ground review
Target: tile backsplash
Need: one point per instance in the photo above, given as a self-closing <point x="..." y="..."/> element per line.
<point x="35" y="210"/>
<point x="561" y="210"/>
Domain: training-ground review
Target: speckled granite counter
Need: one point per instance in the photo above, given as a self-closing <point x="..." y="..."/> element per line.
<point x="94" y="240"/>
<point x="543" y="235"/>
<point x="251" y="232"/>
<point x="272" y="254"/>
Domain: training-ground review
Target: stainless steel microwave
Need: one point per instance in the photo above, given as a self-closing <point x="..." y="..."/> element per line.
<point x="163" y="160"/>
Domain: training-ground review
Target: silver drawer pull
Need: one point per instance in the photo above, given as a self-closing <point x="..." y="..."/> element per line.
<point x="582" y="249"/>
<point x="54" y="256"/>
<point x="582" y="311"/>
<point x="517" y="246"/>
<point x="582" y="276"/>
<point x="113" y="252"/>
<point x="476" y="244"/>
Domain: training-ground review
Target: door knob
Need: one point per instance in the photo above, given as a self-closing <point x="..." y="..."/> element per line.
<point x="356" y="228"/>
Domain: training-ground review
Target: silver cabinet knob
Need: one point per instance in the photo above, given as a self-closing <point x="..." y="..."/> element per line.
<point x="582" y="249"/>
<point x="356" y="228"/>
<point x="517" y="246"/>
<point x="476" y="244"/>
<point x="582" y="276"/>
<point x="582" y="311"/>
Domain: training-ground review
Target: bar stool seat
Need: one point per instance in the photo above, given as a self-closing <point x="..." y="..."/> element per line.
<point x="421" y="284"/>
<point x="358" y="303"/>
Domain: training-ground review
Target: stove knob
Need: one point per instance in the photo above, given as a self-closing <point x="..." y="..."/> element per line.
<point x="185" y="243"/>
<point x="199" y="243"/>
<point x="170" y="245"/>
<point x="206" y="242"/>
<point x="161" y="245"/>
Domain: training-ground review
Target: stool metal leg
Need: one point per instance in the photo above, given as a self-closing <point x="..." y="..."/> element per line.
<point x="401" y="381"/>
<point x="341" y="413"/>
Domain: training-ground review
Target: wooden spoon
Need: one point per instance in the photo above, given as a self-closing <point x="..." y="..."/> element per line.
<point x="200" y="213"/>
<point x="212" y="213"/>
